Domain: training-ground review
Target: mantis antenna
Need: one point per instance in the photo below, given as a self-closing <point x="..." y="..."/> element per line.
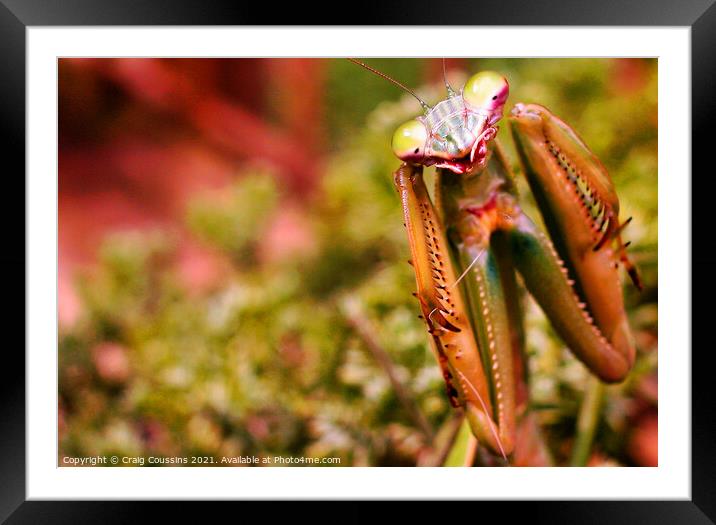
<point x="425" y="105"/>
<point x="450" y="90"/>
<point x="477" y="257"/>
<point x="484" y="409"/>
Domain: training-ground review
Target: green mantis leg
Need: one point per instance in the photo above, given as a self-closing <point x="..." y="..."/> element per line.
<point x="484" y="285"/>
<point x="545" y="276"/>
<point x="513" y="304"/>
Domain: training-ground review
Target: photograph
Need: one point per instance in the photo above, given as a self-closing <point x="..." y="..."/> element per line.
<point x="357" y="262"/>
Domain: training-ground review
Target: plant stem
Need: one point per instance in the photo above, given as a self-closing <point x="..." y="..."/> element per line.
<point x="444" y="442"/>
<point x="366" y="331"/>
<point x="461" y="446"/>
<point x="587" y="422"/>
<point x="472" y="446"/>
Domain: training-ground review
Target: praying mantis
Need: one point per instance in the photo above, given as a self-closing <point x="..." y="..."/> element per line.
<point x="468" y="245"/>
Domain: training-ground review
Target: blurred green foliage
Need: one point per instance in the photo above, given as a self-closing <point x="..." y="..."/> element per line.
<point x="271" y="361"/>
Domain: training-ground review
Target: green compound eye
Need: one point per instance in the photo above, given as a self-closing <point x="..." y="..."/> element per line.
<point x="409" y="141"/>
<point x="486" y="90"/>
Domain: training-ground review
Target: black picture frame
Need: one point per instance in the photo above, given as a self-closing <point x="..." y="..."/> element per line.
<point x="17" y="15"/>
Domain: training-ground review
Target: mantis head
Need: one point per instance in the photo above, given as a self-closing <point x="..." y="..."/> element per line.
<point x="454" y="134"/>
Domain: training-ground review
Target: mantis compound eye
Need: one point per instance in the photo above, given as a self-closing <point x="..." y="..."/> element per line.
<point x="409" y="141"/>
<point x="487" y="91"/>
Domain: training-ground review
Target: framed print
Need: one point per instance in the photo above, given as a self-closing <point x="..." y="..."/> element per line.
<point x="218" y="305"/>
